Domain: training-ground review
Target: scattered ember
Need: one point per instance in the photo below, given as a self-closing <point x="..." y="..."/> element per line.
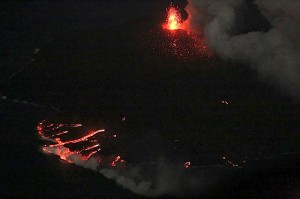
<point x="187" y="165"/>
<point x="231" y="163"/>
<point x="225" y="102"/>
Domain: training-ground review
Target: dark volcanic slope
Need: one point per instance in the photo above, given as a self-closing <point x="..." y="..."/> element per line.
<point x="119" y="69"/>
<point x="159" y="80"/>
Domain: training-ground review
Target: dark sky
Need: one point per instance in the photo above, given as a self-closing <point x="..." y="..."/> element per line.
<point x="27" y="25"/>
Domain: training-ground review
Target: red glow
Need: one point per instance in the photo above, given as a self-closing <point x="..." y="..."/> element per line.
<point x="84" y="138"/>
<point x="69" y="150"/>
<point x="91" y="154"/>
<point x="116" y="160"/>
<point x="60" y="133"/>
<point x="187" y="165"/>
<point x="89" y="148"/>
<point x="173" y="21"/>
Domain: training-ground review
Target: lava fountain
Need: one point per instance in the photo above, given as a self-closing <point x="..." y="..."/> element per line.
<point x="174" y="20"/>
<point x="178" y="40"/>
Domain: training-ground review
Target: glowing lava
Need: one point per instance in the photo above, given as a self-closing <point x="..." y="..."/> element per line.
<point x="173" y="21"/>
<point x="187" y="165"/>
<point x="72" y="150"/>
<point x="84" y="138"/>
<point x="116" y="160"/>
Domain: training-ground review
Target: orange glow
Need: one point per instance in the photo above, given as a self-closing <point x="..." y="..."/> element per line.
<point x="89" y="148"/>
<point x="84" y="138"/>
<point x="116" y="160"/>
<point x="62" y="152"/>
<point x="91" y="154"/>
<point x="90" y="144"/>
<point x="60" y="133"/>
<point x="173" y="21"/>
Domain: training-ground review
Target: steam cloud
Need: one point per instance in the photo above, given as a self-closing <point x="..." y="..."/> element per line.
<point x="275" y="54"/>
<point x="159" y="179"/>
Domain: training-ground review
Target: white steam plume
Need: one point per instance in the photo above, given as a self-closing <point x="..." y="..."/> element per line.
<point x="164" y="179"/>
<point x="275" y="54"/>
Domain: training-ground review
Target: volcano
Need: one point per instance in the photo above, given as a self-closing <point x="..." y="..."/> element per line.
<point x="160" y="79"/>
<point x="169" y="86"/>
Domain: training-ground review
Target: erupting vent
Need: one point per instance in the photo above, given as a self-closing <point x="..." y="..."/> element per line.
<point x="174" y="20"/>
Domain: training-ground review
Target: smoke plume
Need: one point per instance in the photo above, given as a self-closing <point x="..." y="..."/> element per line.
<point x="154" y="180"/>
<point x="274" y="53"/>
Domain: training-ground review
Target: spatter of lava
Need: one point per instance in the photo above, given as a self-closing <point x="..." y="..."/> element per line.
<point x="67" y="141"/>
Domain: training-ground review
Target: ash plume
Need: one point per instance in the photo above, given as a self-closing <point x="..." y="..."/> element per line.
<point x="274" y="53"/>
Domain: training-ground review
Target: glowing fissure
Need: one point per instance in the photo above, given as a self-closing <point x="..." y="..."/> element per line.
<point x="187" y="165"/>
<point x="86" y="152"/>
<point x="89" y="148"/>
<point x="48" y="131"/>
<point x="91" y="154"/>
<point x="116" y="161"/>
<point x="84" y="138"/>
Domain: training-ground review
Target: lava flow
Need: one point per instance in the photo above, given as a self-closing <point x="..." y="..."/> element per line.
<point x="74" y="149"/>
<point x="173" y="21"/>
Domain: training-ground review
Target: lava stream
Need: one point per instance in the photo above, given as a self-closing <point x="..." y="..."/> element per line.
<point x="51" y="132"/>
<point x="89" y="148"/>
<point x="84" y="138"/>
